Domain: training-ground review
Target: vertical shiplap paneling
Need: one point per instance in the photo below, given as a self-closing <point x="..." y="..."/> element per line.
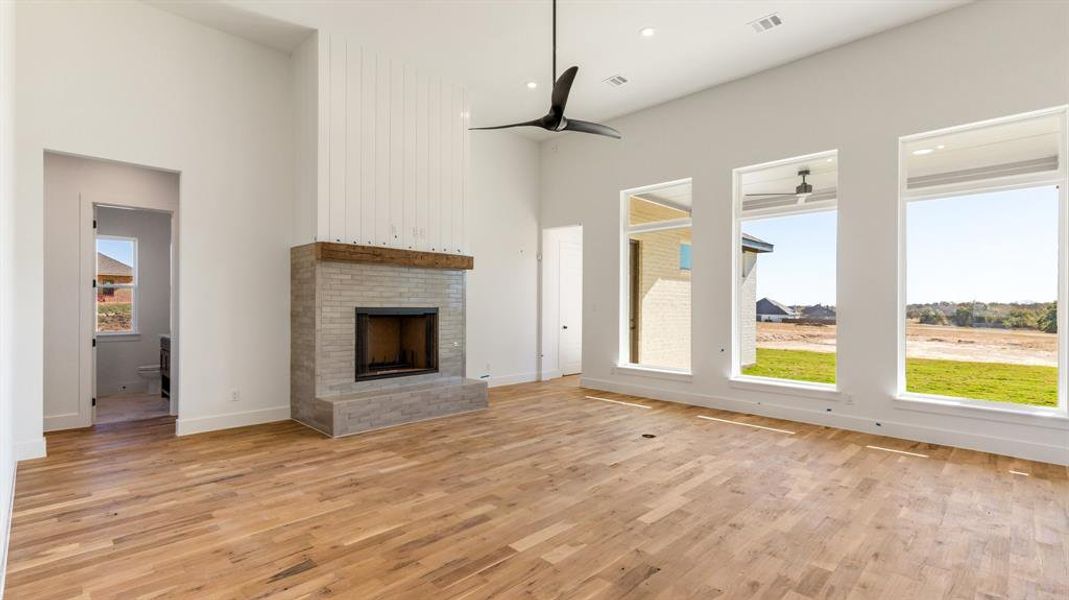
<point x="322" y="200"/>
<point x="434" y="172"/>
<point x="465" y="174"/>
<point x="353" y="145"/>
<point x="382" y="152"/>
<point x="393" y="153"/>
<point x="445" y="222"/>
<point x="408" y="229"/>
<point x="368" y="157"/>
<point x="422" y="161"/>
<point x="397" y="151"/>
<point x="339" y="111"/>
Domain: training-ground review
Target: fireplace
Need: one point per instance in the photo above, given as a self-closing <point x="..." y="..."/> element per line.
<point x="396" y="342"/>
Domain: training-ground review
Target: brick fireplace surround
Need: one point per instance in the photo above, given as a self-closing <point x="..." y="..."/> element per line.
<point x="327" y="282"/>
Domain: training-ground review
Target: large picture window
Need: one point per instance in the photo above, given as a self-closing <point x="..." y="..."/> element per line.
<point x="657" y="277"/>
<point x="785" y="260"/>
<point x="984" y="246"/>
<point x="116" y="285"/>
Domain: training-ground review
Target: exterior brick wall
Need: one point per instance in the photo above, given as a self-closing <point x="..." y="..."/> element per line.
<point x="664" y="289"/>
<point x="664" y="320"/>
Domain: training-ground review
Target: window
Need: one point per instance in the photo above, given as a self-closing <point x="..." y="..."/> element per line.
<point x="656" y="290"/>
<point x="684" y="256"/>
<point x="983" y="282"/>
<point x="116" y="282"/>
<point x="785" y="261"/>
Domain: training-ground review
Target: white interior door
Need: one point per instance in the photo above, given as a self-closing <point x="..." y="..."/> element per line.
<point x="571" y="307"/>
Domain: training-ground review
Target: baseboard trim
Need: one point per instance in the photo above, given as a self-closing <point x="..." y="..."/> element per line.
<point x="918" y="433"/>
<point x="500" y="380"/>
<point x="552" y="375"/>
<point x="31" y="449"/>
<point x="67" y="421"/>
<point x="230" y="420"/>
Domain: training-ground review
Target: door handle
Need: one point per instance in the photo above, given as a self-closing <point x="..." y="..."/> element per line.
<point x="564" y="327"/>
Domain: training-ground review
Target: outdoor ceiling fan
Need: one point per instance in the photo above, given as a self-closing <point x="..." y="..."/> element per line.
<point x="803" y="191"/>
<point x="555" y="120"/>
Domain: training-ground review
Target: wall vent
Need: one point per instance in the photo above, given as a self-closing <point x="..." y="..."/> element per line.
<point x="765" y="23"/>
<point x="616" y="80"/>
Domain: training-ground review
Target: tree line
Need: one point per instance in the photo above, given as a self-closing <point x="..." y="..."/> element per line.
<point x="1041" y="316"/>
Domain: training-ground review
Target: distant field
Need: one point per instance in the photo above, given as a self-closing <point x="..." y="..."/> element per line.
<point x="1010" y="346"/>
<point x="1020" y="384"/>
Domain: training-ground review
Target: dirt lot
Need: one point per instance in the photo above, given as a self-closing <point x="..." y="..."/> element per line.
<point x="1022" y="347"/>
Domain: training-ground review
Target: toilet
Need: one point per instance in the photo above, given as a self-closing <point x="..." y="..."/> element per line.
<point x="151" y="374"/>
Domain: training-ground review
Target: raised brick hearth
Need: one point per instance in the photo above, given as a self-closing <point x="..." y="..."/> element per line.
<point x="326" y="288"/>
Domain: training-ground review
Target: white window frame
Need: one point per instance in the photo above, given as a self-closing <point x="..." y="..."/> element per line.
<point x="829" y="391"/>
<point x="623" y="362"/>
<point x="1059" y="178"/>
<point x="134" y="286"/>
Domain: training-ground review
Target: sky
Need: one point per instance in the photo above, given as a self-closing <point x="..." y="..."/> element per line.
<point x="801" y="268"/>
<point x="120" y="250"/>
<point x="993" y="247"/>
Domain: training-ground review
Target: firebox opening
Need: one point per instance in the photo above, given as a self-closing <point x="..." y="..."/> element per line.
<point x="394" y="342"/>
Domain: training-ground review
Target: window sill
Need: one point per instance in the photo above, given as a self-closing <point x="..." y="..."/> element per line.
<point x="656" y="372"/>
<point x="1022" y="414"/>
<point x="119" y="337"/>
<point x="820" y="391"/>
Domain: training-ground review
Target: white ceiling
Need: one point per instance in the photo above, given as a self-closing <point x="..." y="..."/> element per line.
<point x="493" y="47"/>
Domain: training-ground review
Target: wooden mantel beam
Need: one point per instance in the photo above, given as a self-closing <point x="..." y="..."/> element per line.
<point x="354" y="253"/>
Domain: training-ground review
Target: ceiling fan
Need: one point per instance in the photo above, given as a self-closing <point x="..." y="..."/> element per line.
<point x="555" y="120"/>
<point x="803" y="191"/>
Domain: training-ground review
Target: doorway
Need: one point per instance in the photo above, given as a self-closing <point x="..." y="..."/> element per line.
<point x="111" y="290"/>
<point x="562" y="301"/>
<point x="132" y="314"/>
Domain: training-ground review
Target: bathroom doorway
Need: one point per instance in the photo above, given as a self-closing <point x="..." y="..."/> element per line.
<point x="132" y="305"/>
<point x="111" y="301"/>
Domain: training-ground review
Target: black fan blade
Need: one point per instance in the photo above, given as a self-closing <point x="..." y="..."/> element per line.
<point x="588" y="127"/>
<point x="561" y="88"/>
<point x="535" y="123"/>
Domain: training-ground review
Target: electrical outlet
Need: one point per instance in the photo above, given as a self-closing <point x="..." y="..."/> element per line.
<point x="235" y="395"/>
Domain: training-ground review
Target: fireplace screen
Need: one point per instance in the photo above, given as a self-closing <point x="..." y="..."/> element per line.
<point x="394" y="342"/>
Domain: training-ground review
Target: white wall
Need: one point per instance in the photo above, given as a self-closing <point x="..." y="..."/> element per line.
<point x="980" y="61"/>
<point x="7" y="281"/>
<point x="119" y="357"/>
<point x="502" y="303"/>
<point x="128" y="82"/>
<point x="389" y="164"/>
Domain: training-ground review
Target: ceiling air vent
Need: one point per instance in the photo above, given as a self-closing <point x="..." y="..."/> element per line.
<point x="616" y="80"/>
<point x="765" y="23"/>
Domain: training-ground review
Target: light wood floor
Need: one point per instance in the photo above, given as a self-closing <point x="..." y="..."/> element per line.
<point x="548" y="494"/>
<point x="131" y="407"/>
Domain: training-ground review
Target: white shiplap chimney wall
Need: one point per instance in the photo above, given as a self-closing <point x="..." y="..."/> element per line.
<point x="382" y="150"/>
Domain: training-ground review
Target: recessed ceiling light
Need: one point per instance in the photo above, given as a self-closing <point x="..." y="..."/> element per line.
<point x="532" y="85"/>
<point x="940" y="147"/>
<point x="923" y="151"/>
<point x="647" y="31"/>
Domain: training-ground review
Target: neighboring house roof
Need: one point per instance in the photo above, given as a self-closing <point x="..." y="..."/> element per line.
<point x="107" y="265"/>
<point x="819" y="311"/>
<point x="755" y="244"/>
<point x="771" y="307"/>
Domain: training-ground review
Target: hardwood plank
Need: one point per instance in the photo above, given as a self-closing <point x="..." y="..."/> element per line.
<point x="548" y="494"/>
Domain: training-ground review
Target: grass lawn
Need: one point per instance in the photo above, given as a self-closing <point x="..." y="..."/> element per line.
<point x="1020" y="384"/>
